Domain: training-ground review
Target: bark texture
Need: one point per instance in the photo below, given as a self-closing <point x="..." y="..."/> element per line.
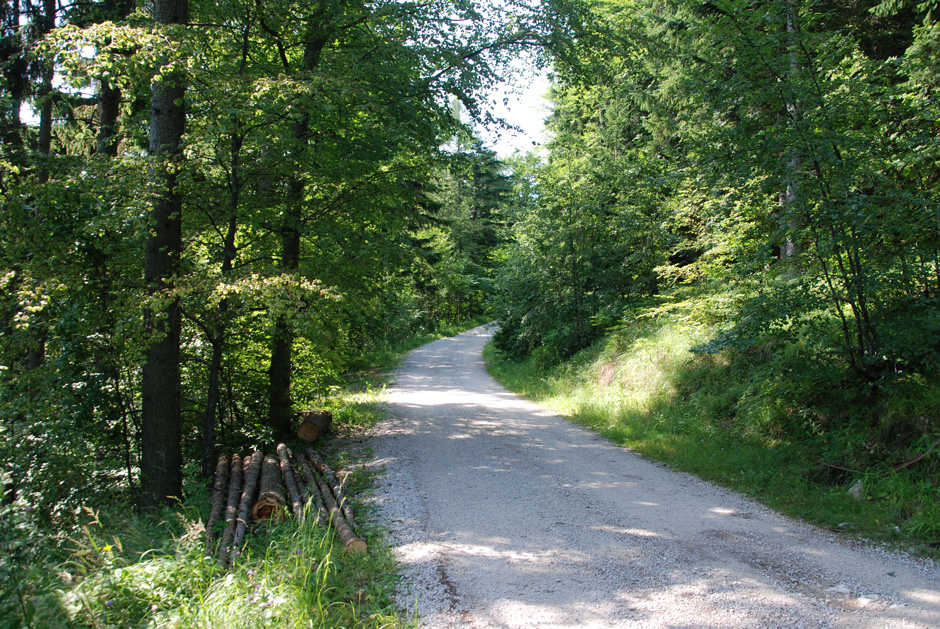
<point x="313" y="492"/>
<point x="271" y="491"/>
<point x="290" y="481"/>
<point x="313" y="424"/>
<point x="161" y="456"/>
<point x="220" y="487"/>
<point x="350" y="540"/>
<point x="231" y="508"/>
<point x="252" y="473"/>
<point x="319" y="34"/>
<point x="333" y="483"/>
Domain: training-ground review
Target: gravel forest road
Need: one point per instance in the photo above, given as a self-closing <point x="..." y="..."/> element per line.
<point x="505" y="515"/>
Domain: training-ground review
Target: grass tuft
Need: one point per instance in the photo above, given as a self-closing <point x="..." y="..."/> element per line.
<point x="759" y="420"/>
<point x="118" y="569"/>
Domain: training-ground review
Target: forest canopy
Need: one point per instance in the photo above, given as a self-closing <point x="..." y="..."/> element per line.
<point x="214" y="211"/>
<point x="781" y="156"/>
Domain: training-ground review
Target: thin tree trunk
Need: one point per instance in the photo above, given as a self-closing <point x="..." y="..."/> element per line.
<point x="36" y="350"/>
<point x="161" y="463"/>
<point x="279" y="372"/>
<point x="212" y="396"/>
<point x="335" y="486"/>
<point x="789" y="249"/>
<point x="279" y="379"/>
<point x="15" y="71"/>
<point x="290" y="481"/>
<point x="45" y="95"/>
<point x="109" y="103"/>
<point x="228" y="258"/>
<point x="351" y="541"/>
<point x="936" y="270"/>
<point x="218" y="341"/>
<point x="313" y="493"/>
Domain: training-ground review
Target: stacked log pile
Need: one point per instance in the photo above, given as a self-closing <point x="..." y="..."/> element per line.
<point x="261" y="487"/>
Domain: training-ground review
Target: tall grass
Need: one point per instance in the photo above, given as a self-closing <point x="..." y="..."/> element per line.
<point x="759" y="421"/>
<point x="118" y="569"/>
<point x="288" y="576"/>
<point x="123" y="570"/>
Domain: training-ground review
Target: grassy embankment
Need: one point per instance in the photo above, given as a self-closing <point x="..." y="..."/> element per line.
<point x="793" y="433"/>
<point x="118" y="569"/>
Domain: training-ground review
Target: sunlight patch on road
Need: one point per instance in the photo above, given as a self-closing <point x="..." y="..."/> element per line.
<point x="632" y="532"/>
<point x="925" y="596"/>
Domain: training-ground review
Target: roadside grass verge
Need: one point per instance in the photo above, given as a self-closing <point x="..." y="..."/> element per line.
<point x="760" y="421"/>
<point x="371" y="369"/>
<point x="118" y="569"/>
<point x="125" y="570"/>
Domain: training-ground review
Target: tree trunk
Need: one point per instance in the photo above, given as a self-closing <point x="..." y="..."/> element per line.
<point x="218" y="341"/>
<point x="109" y="96"/>
<point x="161" y="457"/>
<point x="109" y="103"/>
<point x="279" y="372"/>
<point x="789" y="248"/>
<point x="311" y="480"/>
<point x="45" y="95"/>
<point x="333" y="483"/>
<point x="279" y="379"/>
<point x="36" y="350"/>
<point x="351" y="541"/>
<point x="15" y="77"/>
<point x="212" y="399"/>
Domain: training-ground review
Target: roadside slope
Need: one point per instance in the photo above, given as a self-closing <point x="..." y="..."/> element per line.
<point x="505" y="515"/>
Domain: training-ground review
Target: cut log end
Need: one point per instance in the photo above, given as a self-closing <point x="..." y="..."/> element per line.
<point x="314" y="424"/>
<point x="308" y="432"/>
<point x="356" y="545"/>
<point x="267" y="509"/>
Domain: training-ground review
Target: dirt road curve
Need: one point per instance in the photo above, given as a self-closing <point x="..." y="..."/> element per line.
<point x="505" y="515"/>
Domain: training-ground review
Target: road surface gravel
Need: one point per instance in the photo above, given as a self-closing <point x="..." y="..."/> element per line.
<point x="505" y="515"/>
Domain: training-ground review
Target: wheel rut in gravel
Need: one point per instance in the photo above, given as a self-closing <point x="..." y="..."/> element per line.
<point x="505" y="515"/>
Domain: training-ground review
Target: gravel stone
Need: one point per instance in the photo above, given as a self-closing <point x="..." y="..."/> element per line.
<point x="505" y="515"/>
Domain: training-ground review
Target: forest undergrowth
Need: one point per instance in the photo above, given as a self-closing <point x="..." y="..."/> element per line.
<point x="109" y="567"/>
<point x="119" y="569"/>
<point x="792" y="431"/>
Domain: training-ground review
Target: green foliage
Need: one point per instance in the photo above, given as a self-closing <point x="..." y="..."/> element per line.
<point x="21" y="578"/>
<point x="785" y="151"/>
<point x="311" y="168"/>
<point x="452" y="277"/>
<point x="322" y="122"/>
<point x="591" y="232"/>
<point x="288" y="576"/>
<point x="770" y="419"/>
<point x="115" y="569"/>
